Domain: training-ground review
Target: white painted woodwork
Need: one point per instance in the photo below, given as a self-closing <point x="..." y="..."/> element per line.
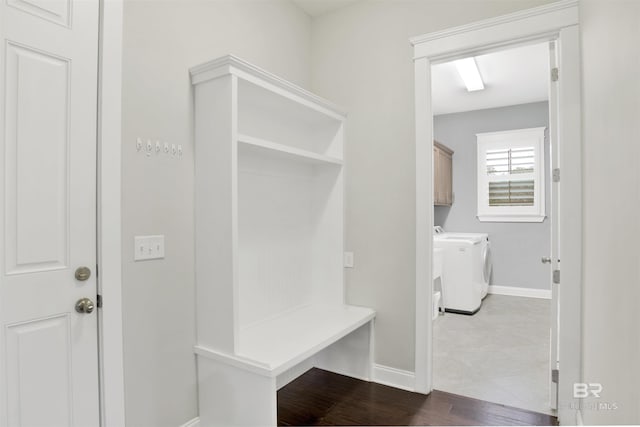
<point x="517" y="291"/>
<point x="352" y="355"/>
<point x="553" y="219"/>
<point x="110" y="214"/>
<point x="269" y="242"/>
<point x="556" y="21"/>
<point x="264" y="148"/>
<point x="36" y="161"/>
<point x="277" y="345"/>
<point x="286" y="340"/>
<point x="394" y="377"/>
<point x="48" y="109"/>
<point x="228" y="385"/>
<point x="231" y="396"/>
<point x="58" y="11"/>
<point x="424" y="226"/>
<point x="569" y="221"/>
<point x="515" y="138"/>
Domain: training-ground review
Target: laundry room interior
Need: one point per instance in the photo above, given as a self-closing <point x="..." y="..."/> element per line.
<point x="492" y="228"/>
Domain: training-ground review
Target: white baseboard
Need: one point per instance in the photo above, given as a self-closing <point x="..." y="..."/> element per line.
<point x="520" y="292"/>
<point x="192" y="423"/>
<point x="393" y="377"/>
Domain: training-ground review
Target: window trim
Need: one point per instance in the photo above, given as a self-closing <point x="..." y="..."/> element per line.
<point x="515" y="138"/>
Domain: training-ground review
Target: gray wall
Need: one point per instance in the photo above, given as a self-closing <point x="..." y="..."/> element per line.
<point x="162" y="39"/>
<point x="362" y="60"/>
<point x="516" y="247"/>
<point x="611" y="191"/>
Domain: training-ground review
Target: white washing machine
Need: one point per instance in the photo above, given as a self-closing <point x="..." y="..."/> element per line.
<point x="466" y="269"/>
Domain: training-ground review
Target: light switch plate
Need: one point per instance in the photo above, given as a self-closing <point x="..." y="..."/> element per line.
<point x="348" y="259"/>
<point x="148" y="247"/>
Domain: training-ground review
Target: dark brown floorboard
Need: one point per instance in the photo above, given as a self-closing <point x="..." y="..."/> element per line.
<point x="324" y="398"/>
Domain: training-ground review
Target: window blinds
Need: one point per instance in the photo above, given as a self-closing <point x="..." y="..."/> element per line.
<point x="511" y="161"/>
<point x="503" y="166"/>
<point x="511" y="193"/>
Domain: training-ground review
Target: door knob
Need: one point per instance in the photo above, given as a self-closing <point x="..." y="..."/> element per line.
<point x="85" y="305"/>
<point x="82" y="273"/>
<point x="546" y="260"/>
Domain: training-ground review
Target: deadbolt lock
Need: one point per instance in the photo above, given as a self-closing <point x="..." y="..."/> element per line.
<point x="85" y="305"/>
<point x="83" y="273"/>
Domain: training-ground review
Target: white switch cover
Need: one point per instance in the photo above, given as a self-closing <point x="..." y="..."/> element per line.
<point x="348" y="259"/>
<point x="148" y="247"/>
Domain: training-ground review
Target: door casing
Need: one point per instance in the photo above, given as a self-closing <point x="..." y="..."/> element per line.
<point x="109" y="214"/>
<point x="557" y="21"/>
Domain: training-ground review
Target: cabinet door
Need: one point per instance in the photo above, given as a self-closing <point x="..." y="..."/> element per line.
<point x="446" y="178"/>
<point x="437" y="177"/>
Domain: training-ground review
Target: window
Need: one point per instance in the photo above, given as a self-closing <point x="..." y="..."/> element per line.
<point x="511" y="176"/>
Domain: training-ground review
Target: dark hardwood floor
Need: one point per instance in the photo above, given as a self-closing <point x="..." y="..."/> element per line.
<point x="323" y="398"/>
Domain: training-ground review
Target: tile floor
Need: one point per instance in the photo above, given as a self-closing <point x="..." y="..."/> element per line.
<point x="500" y="354"/>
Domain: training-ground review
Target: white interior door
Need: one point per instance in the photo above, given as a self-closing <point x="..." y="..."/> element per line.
<point x="48" y="90"/>
<point x="553" y="216"/>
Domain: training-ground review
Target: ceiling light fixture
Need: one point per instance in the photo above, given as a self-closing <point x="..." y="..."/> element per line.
<point x="468" y="70"/>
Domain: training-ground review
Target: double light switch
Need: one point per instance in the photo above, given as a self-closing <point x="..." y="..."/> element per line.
<point x="148" y="247"/>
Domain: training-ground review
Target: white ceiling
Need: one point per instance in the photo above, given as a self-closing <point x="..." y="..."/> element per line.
<point x="320" y="7"/>
<point x="511" y="77"/>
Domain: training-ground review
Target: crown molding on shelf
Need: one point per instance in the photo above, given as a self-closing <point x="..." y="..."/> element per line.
<point x="230" y="64"/>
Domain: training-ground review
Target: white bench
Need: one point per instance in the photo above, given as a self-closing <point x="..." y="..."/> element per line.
<point x="241" y="388"/>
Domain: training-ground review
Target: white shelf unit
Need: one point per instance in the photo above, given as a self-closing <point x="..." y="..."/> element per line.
<point x="269" y="242"/>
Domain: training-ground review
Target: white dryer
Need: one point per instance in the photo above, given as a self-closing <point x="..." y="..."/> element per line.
<point x="466" y="269"/>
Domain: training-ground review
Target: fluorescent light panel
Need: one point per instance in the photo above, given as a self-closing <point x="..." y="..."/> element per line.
<point x="468" y="70"/>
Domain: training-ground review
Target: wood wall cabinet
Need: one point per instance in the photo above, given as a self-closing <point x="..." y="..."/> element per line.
<point x="442" y="174"/>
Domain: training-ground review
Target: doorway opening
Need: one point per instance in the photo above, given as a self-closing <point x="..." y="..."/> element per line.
<point x="557" y="22"/>
<point x="493" y="156"/>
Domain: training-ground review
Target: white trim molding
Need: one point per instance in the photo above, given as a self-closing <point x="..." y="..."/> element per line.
<point x="536" y="24"/>
<point x="194" y="422"/>
<point x="393" y="377"/>
<point x="112" y="410"/>
<point x="515" y="291"/>
<point x="543" y="11"/>
<point x="230" y="64"/>
<point x="557" y="22"/>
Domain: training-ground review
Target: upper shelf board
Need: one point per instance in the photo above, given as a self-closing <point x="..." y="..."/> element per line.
<point x="230" y="64"/>
<point x="284" y="151"/>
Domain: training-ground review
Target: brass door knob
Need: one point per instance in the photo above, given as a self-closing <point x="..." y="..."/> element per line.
<point x="85" y="305"/>
<point x="82" y="273"/>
